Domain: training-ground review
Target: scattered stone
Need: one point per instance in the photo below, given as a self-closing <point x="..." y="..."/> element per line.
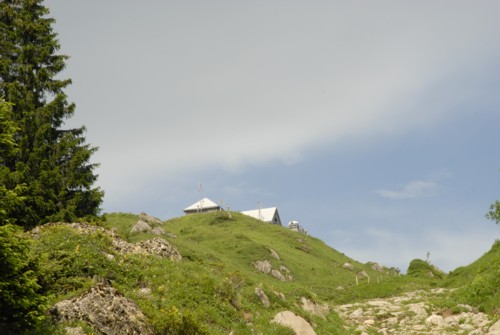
<point x="418" y="309"/>
<point x="106" y="310"/>
<point x="266" y="267"/>
<point x="391" y="322"/>
<point x="466" y="307"/>
<point x="150" y="219"/>
<point x="434" y="320"/>
<point x="378" y="303"/>
<point x="356" y="314"/>
<point x="158" y="231"/>
<point x="378" y="267"/>
<point x="314" y="308"/>
<point x="145" y="291"/>
<point x="274" y="254"/>
<point x="363" y="274"/>
<point x="263" y="297"/>
<point x="284" y="269"/>
<point x="298" y="324"/>
<point x="348" y="266"/>
<point x="74" y="331"/>
<point x="280" y="295"/>
<point x="148" y="223"/>
<point x="263" y="266"/>
<point x="441" y="290"/>
<point x="160" y="247"/>
<point x="369" y="322"/>
<point x="278" y="275"/>
<point x="140" y="226"/>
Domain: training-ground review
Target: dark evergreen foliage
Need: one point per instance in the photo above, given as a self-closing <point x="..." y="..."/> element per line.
<point x="21" y="304"/>
<point x="10" y="198"/>
<point x="51" y="162"/>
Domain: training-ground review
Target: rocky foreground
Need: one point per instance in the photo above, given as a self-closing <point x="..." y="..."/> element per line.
<point x="412" y="314"/>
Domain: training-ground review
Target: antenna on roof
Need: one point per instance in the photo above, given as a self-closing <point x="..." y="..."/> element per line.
<point x="260" y="211"/>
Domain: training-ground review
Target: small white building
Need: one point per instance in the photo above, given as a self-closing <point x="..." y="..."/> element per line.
<point x="269" y="215"/>
<point x="202" y="206"/>
<point x="294" y="225"/>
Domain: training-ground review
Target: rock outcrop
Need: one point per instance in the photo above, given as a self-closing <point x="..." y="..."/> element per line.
<point x="148" y="223"/>
<point x="156" y="246"/>
<point x="106" y="310"/>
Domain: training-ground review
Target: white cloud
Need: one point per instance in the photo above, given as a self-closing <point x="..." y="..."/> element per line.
<point x="412" y="190"/>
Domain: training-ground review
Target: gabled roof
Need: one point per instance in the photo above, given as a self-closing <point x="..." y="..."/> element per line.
<point x="202" y="205"/>
<point x="265" y="214"/>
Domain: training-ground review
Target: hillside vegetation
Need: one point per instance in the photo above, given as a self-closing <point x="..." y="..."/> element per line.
<point x="478" y="283"/>
<point x="227" y="258"/>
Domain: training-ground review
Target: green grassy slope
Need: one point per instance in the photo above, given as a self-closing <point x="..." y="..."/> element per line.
<point x="221" y="249"/>
<point x="478" y="283"/>
<point x="212" y="290"/>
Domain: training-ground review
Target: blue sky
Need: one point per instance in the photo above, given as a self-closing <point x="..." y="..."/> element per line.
<point x="374" y="124"/>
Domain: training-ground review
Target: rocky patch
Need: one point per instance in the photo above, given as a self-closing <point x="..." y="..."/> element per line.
<point x="411" y="314"/>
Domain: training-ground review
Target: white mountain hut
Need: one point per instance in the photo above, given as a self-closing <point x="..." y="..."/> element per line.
<point x="202" y="206"/>
<point x="269" y="215"/>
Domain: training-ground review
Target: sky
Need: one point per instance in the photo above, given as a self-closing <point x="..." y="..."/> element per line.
<point x="372" y="123"/>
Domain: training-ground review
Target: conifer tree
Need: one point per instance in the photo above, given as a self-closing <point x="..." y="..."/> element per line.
<point x="51" y="162"/>
<point x="10" y="198"/>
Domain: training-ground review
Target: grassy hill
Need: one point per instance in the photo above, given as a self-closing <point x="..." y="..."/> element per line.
<point x="213" y="289"/>
<point x="219" y="253"/>
<point x="478" y="283"/>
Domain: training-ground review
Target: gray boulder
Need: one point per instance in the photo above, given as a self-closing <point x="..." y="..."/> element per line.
<point x="297" y="323"/>
<point x="140" y="226"/>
